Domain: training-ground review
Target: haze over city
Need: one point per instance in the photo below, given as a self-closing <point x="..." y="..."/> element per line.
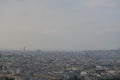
<point x="60" y="24"/>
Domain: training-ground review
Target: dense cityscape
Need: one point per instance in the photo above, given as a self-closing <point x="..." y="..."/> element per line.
<point x="58" y="65"/>
<point x="59" y="39"/>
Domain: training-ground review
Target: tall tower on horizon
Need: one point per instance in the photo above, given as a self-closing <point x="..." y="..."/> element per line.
<point x="24" y="49"/>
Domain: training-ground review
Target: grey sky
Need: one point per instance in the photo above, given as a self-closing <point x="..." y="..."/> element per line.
<point x="60" y="24"/>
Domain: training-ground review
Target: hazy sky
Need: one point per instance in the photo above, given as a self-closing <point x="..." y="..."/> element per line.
<point x="60" y="24"/>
